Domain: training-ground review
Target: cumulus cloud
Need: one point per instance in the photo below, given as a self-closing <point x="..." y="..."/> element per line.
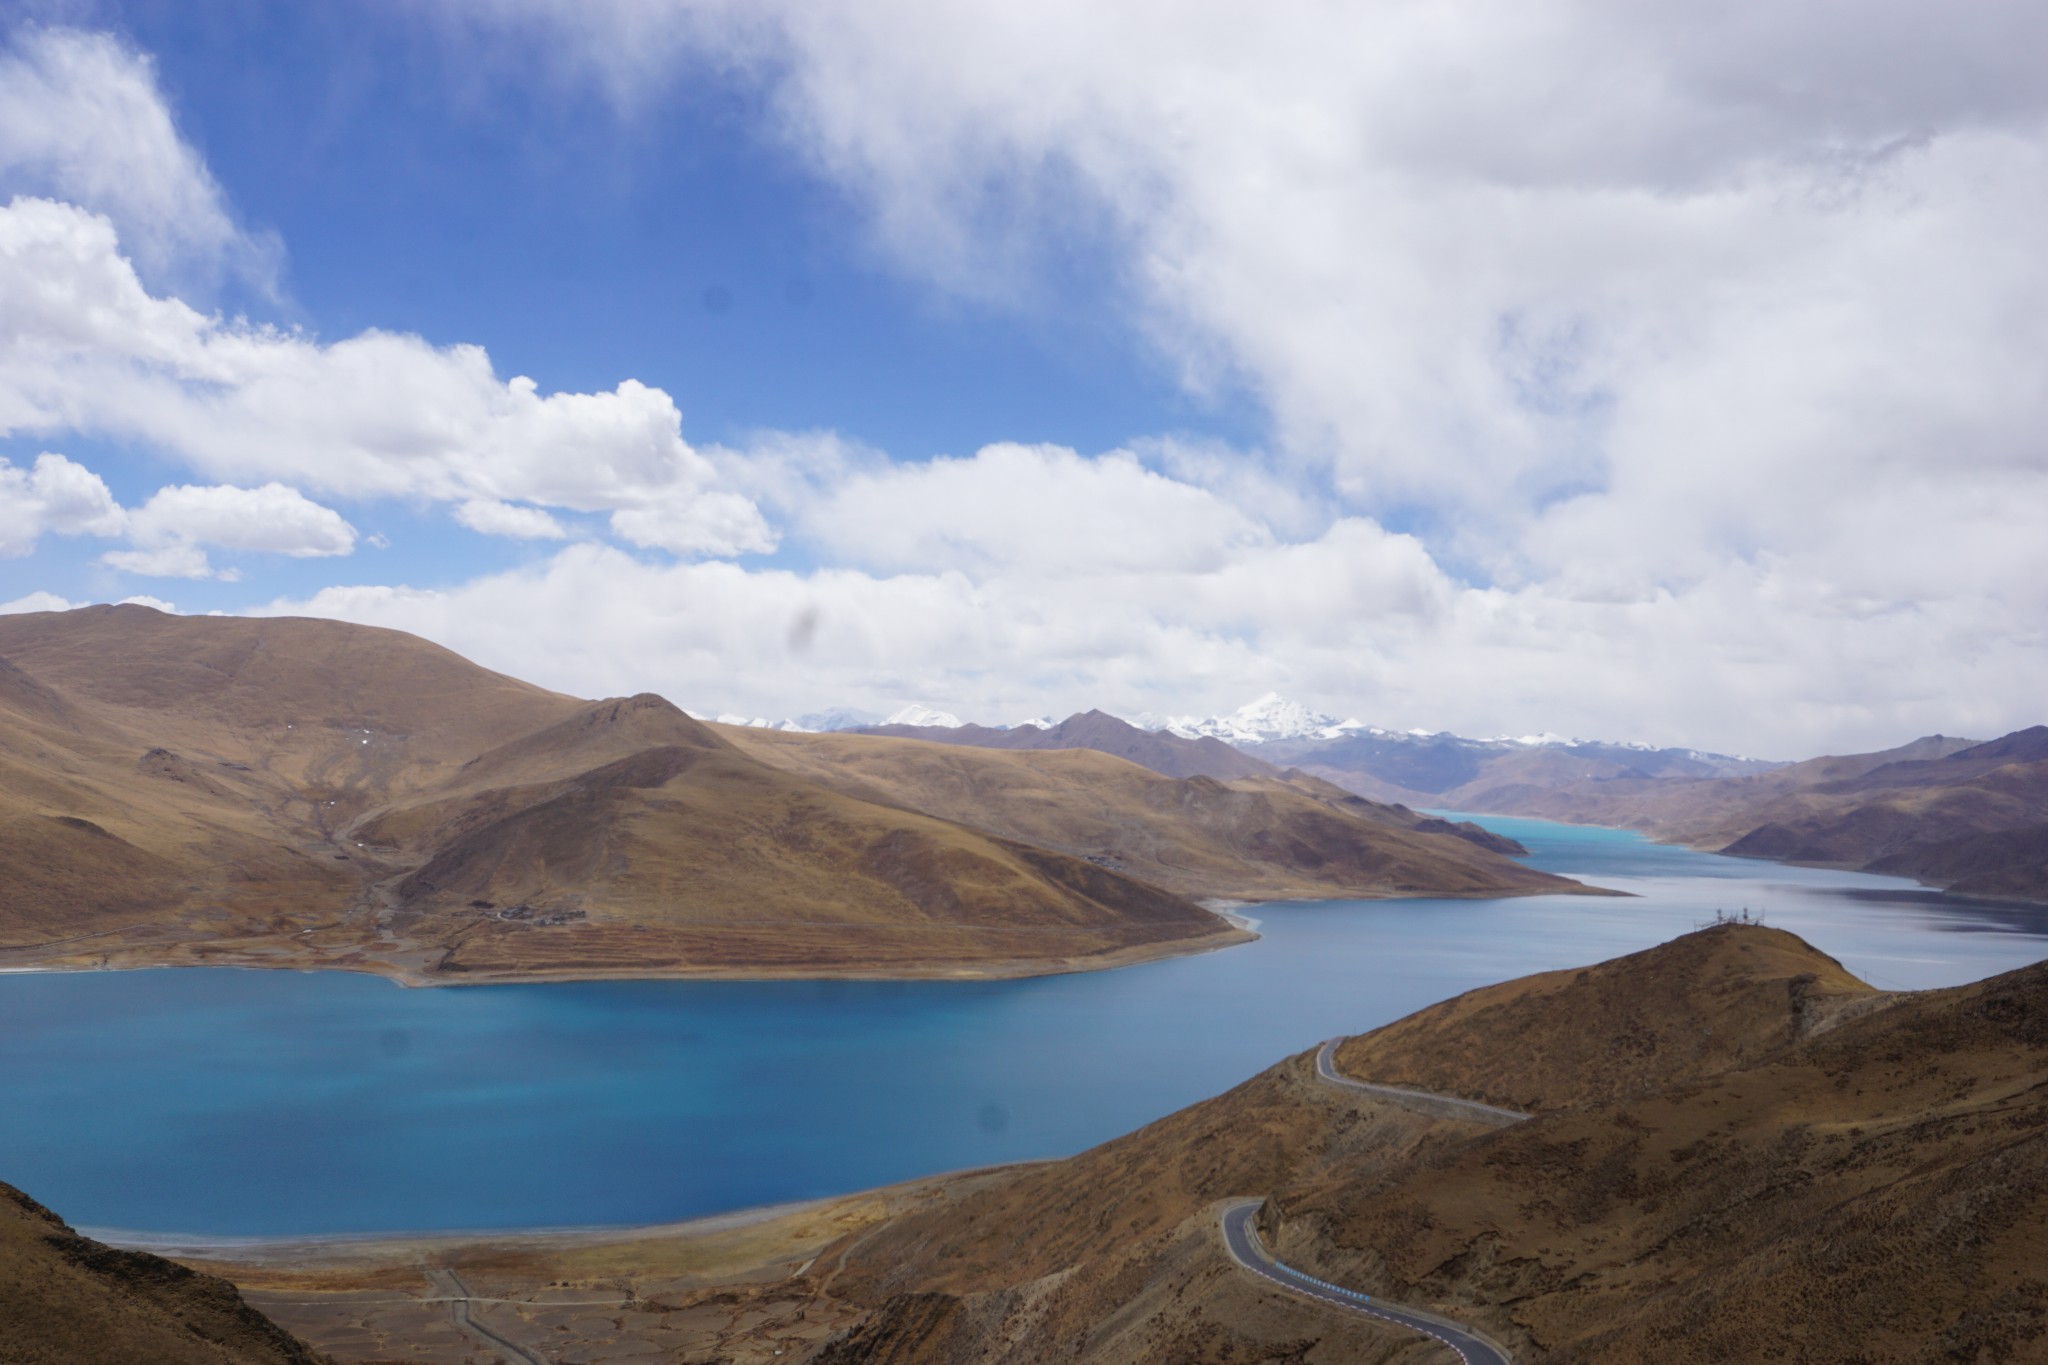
<point x="489" y="517"/>
<point x="37" y="601"/>
<point x="82" y="118"/>
<point x="170" y="529"/>
<point x="54" y="496"/>
<point x="1356" y="620"/>
<point x="1719" y="330"/>
<point x="1040" y="508"/>
<point x="176" y="560"/>
<point x="273" y="519"/>
<point x="85" y="347"/>
<point x="1634" y="373"/>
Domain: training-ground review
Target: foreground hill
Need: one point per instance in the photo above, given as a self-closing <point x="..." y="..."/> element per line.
<point x="307" y="792"/>
<point x="68" y="1300"/>
<point x="1161" y="751"/>
<point x="1738" y="1152"/>
<point x="1257" y="838"/>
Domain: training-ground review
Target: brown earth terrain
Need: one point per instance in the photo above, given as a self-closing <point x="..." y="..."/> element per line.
<point x="1257" y="838"/>
<point x="1738" y="1153"/>
<point x="311" y="793"/>
<point x="68" y="1300"/>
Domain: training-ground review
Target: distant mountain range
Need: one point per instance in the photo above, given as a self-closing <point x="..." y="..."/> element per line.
<point x="1273" y="734"/>
<point x="1957" y="813"/>
<point x="1161" y="751"/>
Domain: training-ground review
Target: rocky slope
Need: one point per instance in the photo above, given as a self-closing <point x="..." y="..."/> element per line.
<point x="68" y="1300"/>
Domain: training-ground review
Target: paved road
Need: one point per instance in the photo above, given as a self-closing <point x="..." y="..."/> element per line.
<point x="1443" y="1106"/>
<point x="1248" y="1251"/>
<point x="449" y="1283"/>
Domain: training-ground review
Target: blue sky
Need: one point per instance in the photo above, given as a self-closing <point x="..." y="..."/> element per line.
<point x="1499" y="368"/>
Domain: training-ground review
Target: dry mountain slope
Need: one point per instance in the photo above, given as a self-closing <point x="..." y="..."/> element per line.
<point x="68" y="1300"/>
<point x="1740" y="1153"/>
<point x="1254" y="839"/>
<point x="307" y="792"/>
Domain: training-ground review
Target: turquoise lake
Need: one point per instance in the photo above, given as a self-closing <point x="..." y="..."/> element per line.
<point x="220" y="1101"/>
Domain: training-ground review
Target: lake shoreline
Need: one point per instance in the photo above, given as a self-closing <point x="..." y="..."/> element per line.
<point x="1238" y="929"/>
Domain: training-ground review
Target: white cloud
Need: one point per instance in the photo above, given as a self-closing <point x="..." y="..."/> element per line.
<point x="1706" y="343"/>
<point x="38" y="601"/>
<point x="1353" y="621"/>
<point x="176" y="560"/>
<point x="1700" y="351"/>
<point x="55" y="496"/>
<point x="82" y="118"/>
<point x="1013" y="507"/>
<point x="272" y="519"/>
<point x="489" y="517"/>
<point x="85" y="348"/>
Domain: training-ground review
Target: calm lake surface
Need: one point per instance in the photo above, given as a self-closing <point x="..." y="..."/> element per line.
<point x="247" y="1102"/>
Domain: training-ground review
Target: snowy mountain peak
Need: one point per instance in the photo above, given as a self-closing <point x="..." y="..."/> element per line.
<point x="917" y="713"/>
<point x="1264" y="720"/>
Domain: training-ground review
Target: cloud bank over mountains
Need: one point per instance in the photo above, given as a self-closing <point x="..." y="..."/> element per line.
<point x="1634" y="374"/>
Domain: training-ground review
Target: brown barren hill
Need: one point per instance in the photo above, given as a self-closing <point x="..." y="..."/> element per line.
<point x="1741" y="1153"/>
<point x="297" y="792"/>
<point x="1876" y="1190"/>
<point x="68" y="1300"/>
<point x="1696" y="1006"/>
<point x="1253" y="839"/>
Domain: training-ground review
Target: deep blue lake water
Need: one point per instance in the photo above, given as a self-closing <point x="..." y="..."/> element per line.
<point x="248" y="1102"/>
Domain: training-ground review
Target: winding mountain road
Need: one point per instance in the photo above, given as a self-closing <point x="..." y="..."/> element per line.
<point x="1248" y="1251"/>
<point x="1242" y="1237"/>
<point x="1442" y="1106"/>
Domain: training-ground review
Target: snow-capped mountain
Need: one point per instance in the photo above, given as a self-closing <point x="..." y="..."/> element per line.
<point x="835" y="718"/>
<point x="1296" y="732"/>
<point x="761" y="723"/>
<point x="917" y="713"/>
<point x="1269" y="718"/>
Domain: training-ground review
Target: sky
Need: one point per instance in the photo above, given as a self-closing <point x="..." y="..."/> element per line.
<point x="1558" y="365"/>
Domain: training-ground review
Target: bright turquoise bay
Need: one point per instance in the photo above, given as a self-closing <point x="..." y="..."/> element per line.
<point x="221" y="1101"/>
